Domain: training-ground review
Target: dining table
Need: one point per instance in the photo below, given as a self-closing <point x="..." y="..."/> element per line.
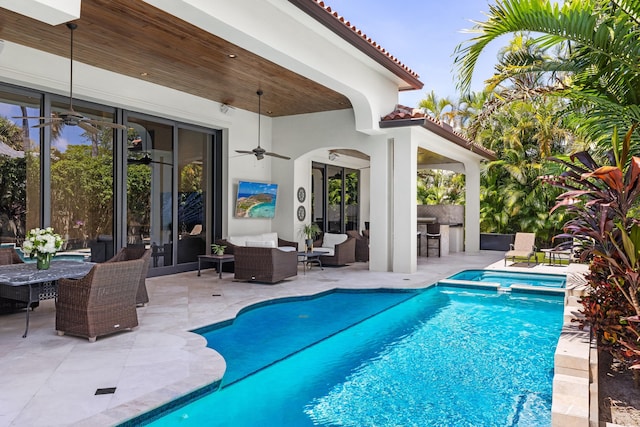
<point x="26" y="283"/>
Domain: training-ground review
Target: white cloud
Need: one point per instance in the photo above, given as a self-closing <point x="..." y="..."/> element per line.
<point x="60" y="144"/>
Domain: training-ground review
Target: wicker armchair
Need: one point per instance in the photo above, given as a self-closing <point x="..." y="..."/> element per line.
<point x="267" y="265"/>
<point x="131" y="253"/>
<point x="102" y="302"/>
<point x="11" y="296"/>
<point x="9" y="256"/>
<point x="343" y="253"/>
<point x="362" y="246"/>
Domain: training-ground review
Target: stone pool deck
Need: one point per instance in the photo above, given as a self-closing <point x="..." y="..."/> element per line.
<point x="51" y="381"/>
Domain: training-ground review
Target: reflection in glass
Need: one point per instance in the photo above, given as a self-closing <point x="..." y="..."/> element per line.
<point x="334" y="199"/>
<point x="149" y="188"/>
<point x="317" y="195"/>
<point x="19" y="166"/>
<point x="82" y="184"/>
<point x="192" y="153"/>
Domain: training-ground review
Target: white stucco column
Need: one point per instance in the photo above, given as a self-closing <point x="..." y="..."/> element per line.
<point x="472" y="207"/>
<point x="405" y="169"/>
<point x="380" y="212"/>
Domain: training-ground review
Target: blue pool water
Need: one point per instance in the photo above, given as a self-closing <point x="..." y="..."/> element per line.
<point x="507" y="278"/>
<point x="442" y="357"/>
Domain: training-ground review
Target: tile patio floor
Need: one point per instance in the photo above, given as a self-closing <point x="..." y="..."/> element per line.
<point x="49" y="380"/>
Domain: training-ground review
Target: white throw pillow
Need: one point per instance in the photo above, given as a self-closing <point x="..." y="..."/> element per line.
<point x="269" y="237"/>
<point x="260" y="244"/>
<point x="330" y="240"/>
<point x="287" y="248"/>
<point x="237" y="240"/>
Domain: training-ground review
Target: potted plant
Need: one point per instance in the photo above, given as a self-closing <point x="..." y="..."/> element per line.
<point x="218" y="249"/>
<point x="310" y="232"/>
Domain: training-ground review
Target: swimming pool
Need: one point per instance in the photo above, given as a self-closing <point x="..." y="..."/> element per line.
<point x="507" y="279"/>
<point x="443" y="356"/>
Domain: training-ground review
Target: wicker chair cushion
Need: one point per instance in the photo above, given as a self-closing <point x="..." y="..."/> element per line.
<point x="261" y="244"/>
<point x="325" y="251"/>
<point x="330" y="240"/>
<point x="265" y="237"/>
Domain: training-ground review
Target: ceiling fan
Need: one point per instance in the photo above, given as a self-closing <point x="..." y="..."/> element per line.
<point x="145" y="160"/>
<point x="71" y="118"/>
<point x="260" y="152"/>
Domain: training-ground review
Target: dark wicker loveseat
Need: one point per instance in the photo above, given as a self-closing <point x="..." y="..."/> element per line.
<point x="136" y="252"/>
<point x="230" y="249"/>
<point x="266" y="265"/>
<point x="102" y="302"/>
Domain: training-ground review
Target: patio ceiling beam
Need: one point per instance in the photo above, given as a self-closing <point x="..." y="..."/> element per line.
<point x="52" y="12"/>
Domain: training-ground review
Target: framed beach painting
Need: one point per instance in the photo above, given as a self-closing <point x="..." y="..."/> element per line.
<point x="256" y="200"/>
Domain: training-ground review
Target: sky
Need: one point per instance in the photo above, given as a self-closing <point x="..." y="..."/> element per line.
<point x="423" y="35"/>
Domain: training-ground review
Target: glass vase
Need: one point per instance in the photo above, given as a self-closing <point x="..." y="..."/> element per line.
<point x="43" y="262"/>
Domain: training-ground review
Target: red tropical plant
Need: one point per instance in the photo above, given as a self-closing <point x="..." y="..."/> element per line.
<point x="601" y="200"/>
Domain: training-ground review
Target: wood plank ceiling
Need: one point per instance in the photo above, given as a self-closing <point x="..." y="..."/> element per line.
<point x="135" y="39"/>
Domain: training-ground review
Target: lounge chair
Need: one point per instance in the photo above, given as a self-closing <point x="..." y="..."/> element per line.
<point x="524" y="246"/>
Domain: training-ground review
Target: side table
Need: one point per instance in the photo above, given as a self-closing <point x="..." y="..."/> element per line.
<point x="216" y="259"/>
<point x="309" y="257"/>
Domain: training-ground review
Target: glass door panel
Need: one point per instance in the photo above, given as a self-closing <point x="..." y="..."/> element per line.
<point x="334" y="199"/>
<point x="192" y="185"/>
<point x="149" y="188"/>
<point x="82" y="183"/>
<point x="19" y="167"/>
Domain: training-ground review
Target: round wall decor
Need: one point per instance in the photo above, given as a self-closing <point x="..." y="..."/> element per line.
<point x="302" y="194"/>
<point x="302" y="213"/>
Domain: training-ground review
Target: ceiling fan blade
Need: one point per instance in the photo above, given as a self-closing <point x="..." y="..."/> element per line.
<point x="31" y="117"/>
<point x="280" y="156"/>
<point x="88" y="127"/>
<point x="49" y="123"/>
<point x="244" y="152"/>
<point x="105" y="124"/>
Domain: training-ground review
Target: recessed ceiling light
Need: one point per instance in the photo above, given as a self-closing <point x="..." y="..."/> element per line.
<point x="144" y="74"/>
<point x="269" y="112"/>
<point x="232" y="55"/>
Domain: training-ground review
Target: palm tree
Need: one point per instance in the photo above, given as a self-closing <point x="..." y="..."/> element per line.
<point x="437" y="107"/>
<point x="598" y="43"/>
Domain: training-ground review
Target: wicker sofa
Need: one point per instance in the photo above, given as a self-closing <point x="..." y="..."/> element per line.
<point x="262" y="258"/>
<point x="266" y="265"/>
<point x="264" y="240"/>
<point x="340" y="249"/>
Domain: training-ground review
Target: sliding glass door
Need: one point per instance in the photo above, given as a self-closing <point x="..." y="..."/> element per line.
<point x="335" y="197"/>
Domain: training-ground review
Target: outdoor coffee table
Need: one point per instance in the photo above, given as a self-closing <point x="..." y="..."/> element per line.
<point x="25" y="283"/>
<point x="309" y="257"/>
<point x="217" y="259"/>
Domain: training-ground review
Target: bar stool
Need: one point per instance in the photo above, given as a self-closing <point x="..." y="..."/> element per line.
<point x="433" y="233"/>
<point x="419" y="243"/>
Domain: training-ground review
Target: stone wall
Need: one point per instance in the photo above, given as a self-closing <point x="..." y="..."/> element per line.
<point x="444" y="214"/>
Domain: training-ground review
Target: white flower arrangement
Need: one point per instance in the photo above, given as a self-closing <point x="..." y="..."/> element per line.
<point x="42" y="243"/>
